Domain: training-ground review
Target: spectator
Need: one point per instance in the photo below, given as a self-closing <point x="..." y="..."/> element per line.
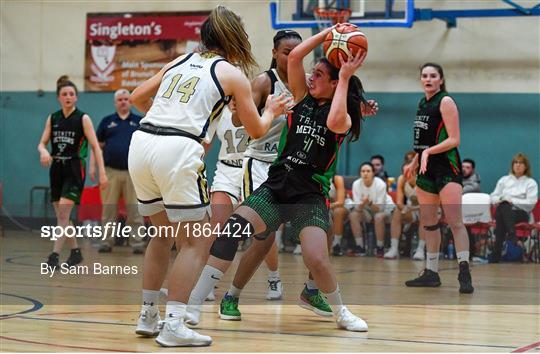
<point x="515" y="197"/>
<point x="371" y="204"/>
<point x="377" y="161"/>
<point x="471" y="179"/>
<point x="338" y="212"/>
<point x="409" y="156"/>
<point x="114" y="135"/>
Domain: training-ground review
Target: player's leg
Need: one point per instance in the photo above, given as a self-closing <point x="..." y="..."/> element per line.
<point x="109" y="201"/>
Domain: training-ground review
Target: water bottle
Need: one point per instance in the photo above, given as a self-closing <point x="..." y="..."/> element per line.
<point x="451" y="250"/>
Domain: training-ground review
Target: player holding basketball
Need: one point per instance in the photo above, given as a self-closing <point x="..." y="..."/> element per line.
<point x="439" y="181"/>
<point x="166" y="162"/>
<point x="327" y="110"/>
<point x="69" y="130"/>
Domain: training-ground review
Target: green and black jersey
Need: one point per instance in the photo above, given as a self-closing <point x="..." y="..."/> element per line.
<point x="67" y="136"/>
<point x="429" y="130"/>
<point x="307" y="147"/>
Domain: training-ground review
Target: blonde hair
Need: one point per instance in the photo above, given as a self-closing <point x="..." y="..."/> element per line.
<point x="521" y="156"/>
<point x="223" y="32"/>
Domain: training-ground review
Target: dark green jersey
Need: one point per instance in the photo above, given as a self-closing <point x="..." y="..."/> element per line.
<point x="67" y="136"/>
<point x="307" y="146"/>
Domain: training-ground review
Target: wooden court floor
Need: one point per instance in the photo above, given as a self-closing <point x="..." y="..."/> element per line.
<point x="98" y="312"/>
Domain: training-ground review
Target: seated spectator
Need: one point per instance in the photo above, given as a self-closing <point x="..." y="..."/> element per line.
<point x="409" y="156"/>
<point x="515" y="197"/>
<point x="371" y="204"/>
<point x="338" y="212"/>
<point x="377" y="161"/>
<point x="406" y="212"/>
<point x="471" y="179"/>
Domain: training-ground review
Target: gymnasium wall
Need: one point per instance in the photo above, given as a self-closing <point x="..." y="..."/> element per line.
<point x="491" y="65"/>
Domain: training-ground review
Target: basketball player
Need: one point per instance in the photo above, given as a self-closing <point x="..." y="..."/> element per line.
<point x="439" y="181"/>
<point x="69" y="130"/>
<point x="167" y="168"/>
<point x="299" y="179"/>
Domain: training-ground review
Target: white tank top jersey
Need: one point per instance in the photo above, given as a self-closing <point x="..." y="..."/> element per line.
<point x="233" y="139"/>
<point x="409" y="192"/>
<point x="189" y="97"/>
<point x="266" y="148"/>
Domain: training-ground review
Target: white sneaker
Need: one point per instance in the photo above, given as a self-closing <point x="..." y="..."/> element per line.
<point x="174" y="333"/>
<point x="275" y="290"/>
<point x="346" y="320"/>
<point x="211" y="296"/>
<point x="391" y="254"/>
<point x="148" y="322"/>
<point x="419" y="255"/>
<point x="297" y="250"/>
<point x="193" y="314"/>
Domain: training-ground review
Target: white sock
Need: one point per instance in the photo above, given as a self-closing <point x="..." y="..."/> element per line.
<point x="150" y="298"/>
<point x="175" y="310"/>
<point x="206" y="283"/>
<point x="359" y="241"/>
<point x="421" y="245"/>
<point x="273" y="275"/>
<point x="432" y="261"/>
<point x="335" y="301"/>
<point x="463" y="256"/>
<point x="234" y="291"/>
<point x="394" y="243"/>
<point x="279" y="241"/>
<point x="380" y="244"/>
<point x="337" y="240"/>
<point x="310" y="284"/>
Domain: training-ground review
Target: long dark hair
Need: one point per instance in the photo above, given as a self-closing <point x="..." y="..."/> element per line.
<point x="439" y="70"/>
<point x="280" y="36"/>
<point x="355" y="96"/>
<point x="63" y="81"/>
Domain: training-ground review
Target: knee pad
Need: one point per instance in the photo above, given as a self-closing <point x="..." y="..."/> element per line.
<point x="236" y="229"/>
<point x="432" y="227"/>
<point x="224" y="248"/>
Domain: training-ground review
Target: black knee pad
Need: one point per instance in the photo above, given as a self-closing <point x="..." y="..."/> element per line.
<point x="224" y="248"/>
<point x="432" y="227"/>
<point x="233" y="231"/>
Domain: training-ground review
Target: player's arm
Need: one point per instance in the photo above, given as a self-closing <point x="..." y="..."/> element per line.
<point x="44" y="156"/>
<point x="92" y="140"/>
<point x="450" y="115"/>
<point x="260" y="89"/>
<point x="339" y="183"/>
<point x="400" y="197"/>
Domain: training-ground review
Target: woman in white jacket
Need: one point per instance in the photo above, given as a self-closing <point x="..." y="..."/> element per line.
<point x="515" y="196"/>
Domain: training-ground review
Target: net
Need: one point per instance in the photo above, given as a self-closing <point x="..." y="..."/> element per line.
<point x="329" y="16"/>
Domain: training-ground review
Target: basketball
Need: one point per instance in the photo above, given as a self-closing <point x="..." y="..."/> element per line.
<point x="346" y="39"/>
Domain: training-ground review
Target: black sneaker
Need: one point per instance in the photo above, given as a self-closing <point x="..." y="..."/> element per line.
<point x="105" y="249"/>
<point x="52" y="261"/>
<point x="379" y="252"/>
<point x="356" y="251"/>
<point x="465" y="280"/>
<point x="75" y="257"/>
<point x="427" y="279"/>
<point x="336" y="250"/>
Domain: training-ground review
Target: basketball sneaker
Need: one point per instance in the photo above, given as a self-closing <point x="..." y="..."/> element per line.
<point x="193" y="314"/>
<point x="148" y="322"/>
<point x="275" y="289"/>
<point x="419" y="255"/>
<point x="314" y="301"/>
<point x="104" y="248"/>
<point x="346" y="320"/>
<point x="356" y="251"/>
<point x="336" y="250"/>
<point x="174" y="333"/>
<point x="53" y="261"/>
<point x="464" y="278"/>
<point x="391" y="254"/>
<point x="297" y="250"/>
<point x="75" y="257"/>
<point x="228" y="309"/>
<point x="379" y="252"/>
<point x="427" y="279"/>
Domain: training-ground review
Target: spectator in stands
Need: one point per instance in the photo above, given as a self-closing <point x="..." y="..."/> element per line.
<point x="114" y="135"/>
<point x="471" y="179"/>
<point x="515" y="197"/>
<point x="377" y="161"/>
<point x="371" y="204"/>
<point x="409" y="156"/>
<point x="406" y="212"/>
<point x="338" y="212"/>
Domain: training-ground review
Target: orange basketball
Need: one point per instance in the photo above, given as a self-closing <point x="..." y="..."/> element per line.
<point x="346" y="39"/>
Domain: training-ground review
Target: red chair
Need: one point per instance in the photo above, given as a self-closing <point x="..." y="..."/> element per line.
<point x="525" y="230"/>
<point x="90" y="206"/>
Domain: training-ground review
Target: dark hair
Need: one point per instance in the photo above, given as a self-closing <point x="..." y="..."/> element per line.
<point x="377" y="157"/>
<point x="471" y="161"/>
<point x="224" y="31"/>
<point x="439" y="70"/>
<point x="63" y="81"/>
<point x="280" y="36"/>
<point x="364" y="164"/>
<point x="355" y="96"/>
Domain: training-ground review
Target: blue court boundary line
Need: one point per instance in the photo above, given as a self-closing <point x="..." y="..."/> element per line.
<point x="36" y="305"/>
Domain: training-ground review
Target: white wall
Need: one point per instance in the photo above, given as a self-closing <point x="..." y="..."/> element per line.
<point x="40" y="40"/>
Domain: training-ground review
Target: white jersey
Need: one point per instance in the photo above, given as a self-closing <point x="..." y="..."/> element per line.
<point x="266" y="147"/>
<point x="189" y="97"/>
<point x="233" y="140"/>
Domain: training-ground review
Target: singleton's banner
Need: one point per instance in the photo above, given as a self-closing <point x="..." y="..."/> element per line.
<point x="123" y="50"/>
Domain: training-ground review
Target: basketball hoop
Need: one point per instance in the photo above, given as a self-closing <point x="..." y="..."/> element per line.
<point x="329" y="16"/>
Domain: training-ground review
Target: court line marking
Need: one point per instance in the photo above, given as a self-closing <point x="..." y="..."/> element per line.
<point x="36" y="305"/>
<point x="284" y="333"/>
<point x="62" y="345"/>
<point x="526" y="348"/>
